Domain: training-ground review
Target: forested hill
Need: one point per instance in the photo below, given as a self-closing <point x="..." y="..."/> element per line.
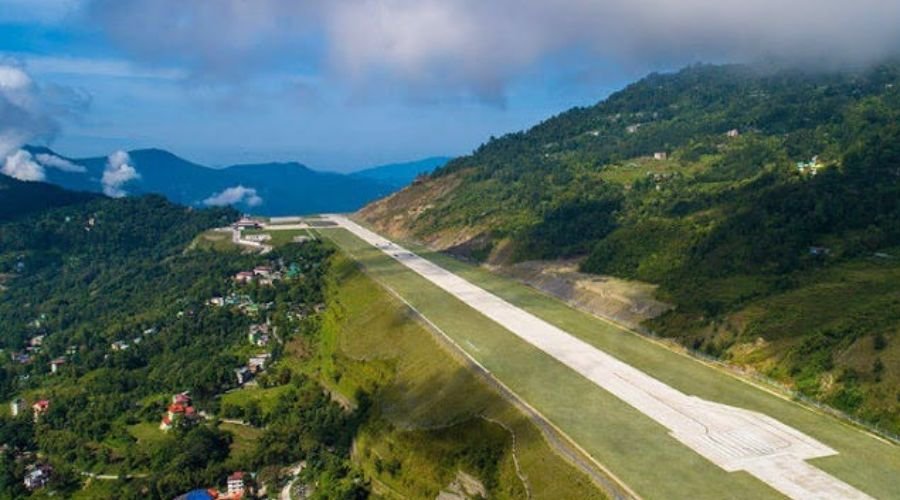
<point x="765" y="202"/>
<point x="18" y="198"/>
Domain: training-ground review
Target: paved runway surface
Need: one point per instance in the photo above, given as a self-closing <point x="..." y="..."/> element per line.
<point x="733" y="438"/>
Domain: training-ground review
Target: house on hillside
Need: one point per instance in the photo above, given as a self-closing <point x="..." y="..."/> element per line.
<point x="237" y="484"/>
<point x="660" y="156"/>
<point x="119" y="345"/>
<point x="40" y="408"/>
<point x="56" y="363"/>
<point x="180" y="412"/>
<point x="16" y="406"/>
<point x="631" y="129"/>
<point x="259" y="334"/>
<point x="243" y="277"/>
<point x="37" y="476"/>
<point x="20" y="358"/>
<point x="243" y="375"/>
<point x="182" y="398"/>
<point x="733" y="133"/>
<point x="258" y="363"/>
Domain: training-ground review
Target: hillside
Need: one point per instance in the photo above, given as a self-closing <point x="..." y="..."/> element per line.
<point x="18" y="198"/>
<point x="277" y="188"/>
<point x="765" y="204"/>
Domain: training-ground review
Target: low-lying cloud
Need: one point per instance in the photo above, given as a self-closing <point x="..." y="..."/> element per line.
<point x="53" y="161"/>
<point x="481" y="46"/>
<point x="21" y="165"/>
<point x="117" y="173"/>
<point x="233" y="196"/>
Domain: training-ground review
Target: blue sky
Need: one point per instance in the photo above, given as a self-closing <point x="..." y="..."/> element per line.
<point x="342" y="85"/>
<point x="285" y="112"/>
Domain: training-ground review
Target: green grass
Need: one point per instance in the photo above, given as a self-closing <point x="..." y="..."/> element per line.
<point x="267" y="398"/>
<point x="147" y="433"/>
<point x="429" y="405"/>
<point x="245" y="438"/>
<point x="634" y="447"/>
<point x="215" y="241"/>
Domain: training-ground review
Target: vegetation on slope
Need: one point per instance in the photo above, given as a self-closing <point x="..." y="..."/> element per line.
<point x="86" y="276"/>
<point x="19" y="198"/>
<point x="807" y="185"/>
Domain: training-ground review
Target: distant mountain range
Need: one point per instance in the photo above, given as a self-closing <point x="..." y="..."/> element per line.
<point x="264" y="189"/>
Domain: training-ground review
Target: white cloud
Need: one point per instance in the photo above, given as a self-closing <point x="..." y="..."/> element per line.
<point x="115" y="68"/>
<point x="234" y="195"/>
<point x="480" y="46"/>
<point x="118" y="172"/>
<point x="22" y="166"/>
<point x="22" y="114"/>
<point x="56" y="162"/>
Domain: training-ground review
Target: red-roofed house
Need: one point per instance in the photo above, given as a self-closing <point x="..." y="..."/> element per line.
<point x="178" y="412"/>
<point x="183" y="398"/>
<point x="39" y="408"/>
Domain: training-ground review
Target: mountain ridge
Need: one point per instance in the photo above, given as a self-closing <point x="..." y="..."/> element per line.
<point x="266" y="188"/>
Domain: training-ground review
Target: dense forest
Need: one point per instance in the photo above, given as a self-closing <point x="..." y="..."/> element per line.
<point x="114" y="294"/>
<point x="19" y="198"/>
<point x="765" y="202"/>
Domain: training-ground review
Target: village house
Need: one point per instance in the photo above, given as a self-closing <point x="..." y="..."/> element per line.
<point x="733" y="133"/>
<point x="40" y="408"/>
<point x="36" y="341"/>
<point x="243" y="277"/>
<point x="180" y="412"/>
<point x="259" y="335"/>
<point x="633" y="128"/>
<point x="258" y="363"/>
<point x="16" y="406"/>
<point x="37" y="476"/>
<point x="119" y="345"/>
<point x="660" y="156"/>
<point x="56" y="363"/>
<point x="237" y="484"/>
<point x="20" y="358"/>
<point x="216" y="301"/>
<point x="243" y="375"/>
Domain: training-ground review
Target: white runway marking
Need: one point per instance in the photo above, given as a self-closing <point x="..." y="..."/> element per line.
<point x="735" y="439"/>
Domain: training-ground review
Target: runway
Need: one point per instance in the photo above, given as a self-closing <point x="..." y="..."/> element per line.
<point x="734" y="439"/>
